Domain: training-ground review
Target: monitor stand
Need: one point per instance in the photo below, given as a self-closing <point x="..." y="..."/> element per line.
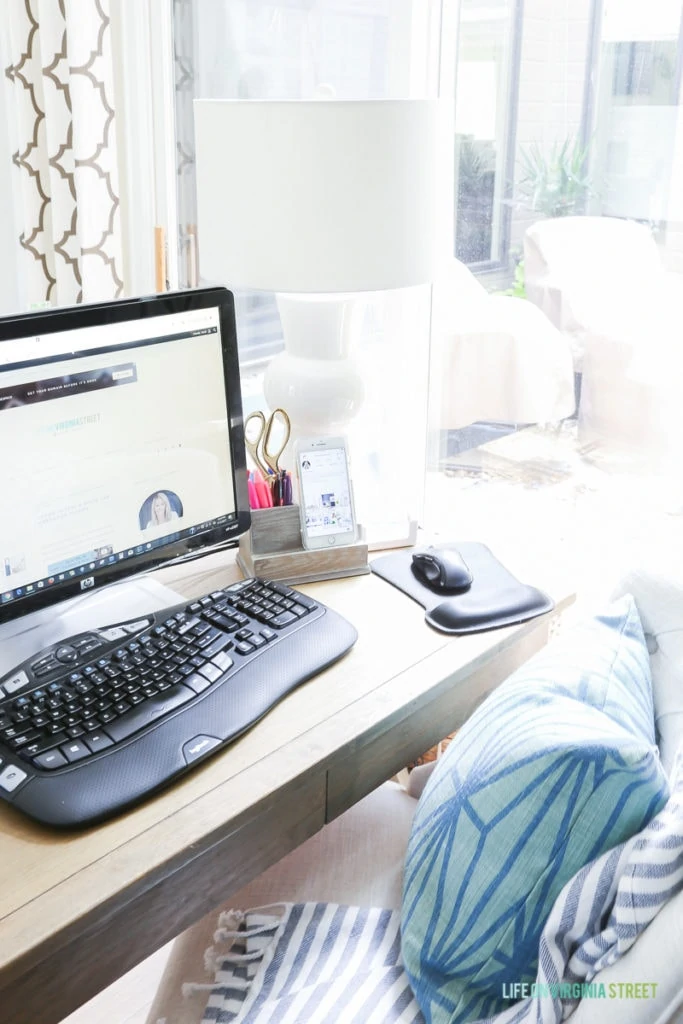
<point x="118" y="602"/>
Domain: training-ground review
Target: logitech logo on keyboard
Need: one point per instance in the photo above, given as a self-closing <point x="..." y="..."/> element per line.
<point x="198" y="747"/>
<point x="88" y="583"/>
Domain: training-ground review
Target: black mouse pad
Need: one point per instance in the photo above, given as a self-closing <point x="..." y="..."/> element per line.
<point x="495" y="598"/>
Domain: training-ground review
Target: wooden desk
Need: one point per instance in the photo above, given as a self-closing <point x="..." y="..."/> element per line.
<point x="78" y="910"/>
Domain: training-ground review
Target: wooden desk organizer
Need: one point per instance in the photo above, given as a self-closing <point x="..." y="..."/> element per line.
<point x="272" y="548"/>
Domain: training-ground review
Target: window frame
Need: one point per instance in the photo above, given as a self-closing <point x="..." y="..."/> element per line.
<point x="479" y="267"/>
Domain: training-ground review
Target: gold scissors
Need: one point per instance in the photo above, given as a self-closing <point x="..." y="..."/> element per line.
<point x="258" y="442"/>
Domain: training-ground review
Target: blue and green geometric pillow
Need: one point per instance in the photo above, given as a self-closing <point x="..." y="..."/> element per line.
<point x="557" y="766"/>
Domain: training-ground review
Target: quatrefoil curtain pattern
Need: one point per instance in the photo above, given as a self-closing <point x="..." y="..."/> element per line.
<point x="58" y="71"/>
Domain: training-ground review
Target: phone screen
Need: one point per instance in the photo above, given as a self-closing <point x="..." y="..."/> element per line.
<point x="326" y="492"/>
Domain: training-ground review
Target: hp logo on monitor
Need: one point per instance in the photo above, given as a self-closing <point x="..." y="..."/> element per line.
<point x="87" y="583"/>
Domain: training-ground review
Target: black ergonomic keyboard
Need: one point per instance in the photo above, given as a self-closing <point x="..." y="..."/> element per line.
<point x="96" y="723"/>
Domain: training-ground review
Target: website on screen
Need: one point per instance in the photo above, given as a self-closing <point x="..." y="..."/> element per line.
<point x="108" y="453"/>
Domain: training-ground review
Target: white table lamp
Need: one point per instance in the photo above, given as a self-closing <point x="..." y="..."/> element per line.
<point x="316" y="200"/>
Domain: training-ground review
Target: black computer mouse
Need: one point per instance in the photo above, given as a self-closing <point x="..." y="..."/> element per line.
<point x="442" y="570"/>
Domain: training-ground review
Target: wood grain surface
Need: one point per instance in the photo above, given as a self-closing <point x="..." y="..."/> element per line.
<point x="77" y="910"/>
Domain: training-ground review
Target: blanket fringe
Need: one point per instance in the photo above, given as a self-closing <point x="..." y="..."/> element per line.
<point x="234" y="935"/>
<point x="190" y="988"/>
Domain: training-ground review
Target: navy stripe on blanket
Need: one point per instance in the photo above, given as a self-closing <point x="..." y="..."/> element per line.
<point x="329" y="964"/>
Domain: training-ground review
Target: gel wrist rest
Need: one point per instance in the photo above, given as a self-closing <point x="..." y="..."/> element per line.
<point x="495" y="598"/>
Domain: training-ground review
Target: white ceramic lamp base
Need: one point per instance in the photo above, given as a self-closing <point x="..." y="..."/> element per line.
<point x="314" y="379"/>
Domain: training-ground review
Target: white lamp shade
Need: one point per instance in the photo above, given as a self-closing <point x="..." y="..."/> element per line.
<point x="317" y="196"/>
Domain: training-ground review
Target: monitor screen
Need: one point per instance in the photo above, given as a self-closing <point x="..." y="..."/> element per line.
<point x="121" y="442"/>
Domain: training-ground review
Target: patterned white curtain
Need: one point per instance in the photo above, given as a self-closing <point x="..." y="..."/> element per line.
<point x="58" y="69"/>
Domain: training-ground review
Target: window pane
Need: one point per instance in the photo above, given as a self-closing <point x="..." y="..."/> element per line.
<point x="485" y="117"/>
<point x="555" y="382"/>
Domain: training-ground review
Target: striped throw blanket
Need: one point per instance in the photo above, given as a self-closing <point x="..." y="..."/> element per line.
<point x="320" y="963"/>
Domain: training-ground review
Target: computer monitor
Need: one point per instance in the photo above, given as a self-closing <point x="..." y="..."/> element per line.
<point x="121" y="442"/>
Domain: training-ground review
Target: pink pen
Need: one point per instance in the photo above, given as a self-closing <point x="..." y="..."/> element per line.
<point x="253" y="494"/>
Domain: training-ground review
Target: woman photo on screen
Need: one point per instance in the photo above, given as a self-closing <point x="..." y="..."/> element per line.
<point x="161" y="510"/>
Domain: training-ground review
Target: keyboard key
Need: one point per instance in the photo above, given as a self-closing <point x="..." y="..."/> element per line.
<point x="45" y="743"/>
<point x="115" y="633"/>
<point x="11" y="777"/>
<point x="75" y="751"/>
<point x="306" y="601"/>
<point x="257" y="641"/>
<point x="23" y="738"/>
<point x="98" y="741"/>
<point x="15" y="682"/>
<point x="223" y="662"/>
<point x="135" y="627"/>
<point x="211" y="672"/>
<point x="208" y="638"/>
<point x="50" y="760"/>
<point x="243" y="634"/>
<point x="268" y="634"/>
<point x="75" y="731"/>
<point x="188" y="625"/>
<point x="228" y="624"/>
<point x="283" y="619"/>
<point x="243" y="647"/>
<point x="221" y="643"/>
<point x="197" y="682"/>
<point x="42" y="670"/>
<point x="149" y="711"/>
<point x="298" y="610"/>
